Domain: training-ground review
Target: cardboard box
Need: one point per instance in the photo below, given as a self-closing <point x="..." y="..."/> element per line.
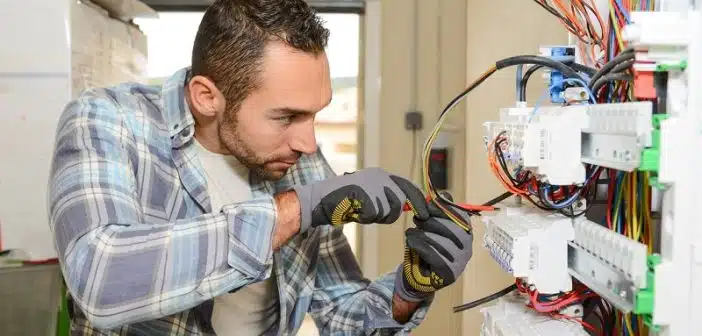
<point x="105" y="51"/>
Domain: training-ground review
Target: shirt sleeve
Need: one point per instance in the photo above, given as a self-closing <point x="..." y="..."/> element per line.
<point x="119" y="267"/>
<point x="344" y="301"/>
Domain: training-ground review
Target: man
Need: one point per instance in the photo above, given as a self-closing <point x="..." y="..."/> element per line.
<point x="204" y="207"/>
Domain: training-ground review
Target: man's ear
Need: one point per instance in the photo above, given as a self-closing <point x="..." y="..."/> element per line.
<point x="205" y="98"/>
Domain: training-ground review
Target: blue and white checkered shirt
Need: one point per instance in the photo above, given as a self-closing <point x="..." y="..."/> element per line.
<point x="142" y="251"/>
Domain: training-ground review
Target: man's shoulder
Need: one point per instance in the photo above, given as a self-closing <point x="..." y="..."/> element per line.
<point x="131" y="104"/>
<point x="121" y="98"/>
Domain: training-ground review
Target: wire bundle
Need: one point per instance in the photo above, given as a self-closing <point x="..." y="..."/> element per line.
<point x="577" y="17"/>
<point x="629" y="194"/>
<point x="554" y="305"/>
<point x="542" y="195"/>
<point x="448" y="206"/>
<point x="629" y="213"/>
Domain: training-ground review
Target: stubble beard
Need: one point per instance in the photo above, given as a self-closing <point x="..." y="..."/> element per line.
<point x="230" y="138"/>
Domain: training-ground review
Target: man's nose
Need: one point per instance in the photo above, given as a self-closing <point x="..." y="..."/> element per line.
<point x="304" y="141"/>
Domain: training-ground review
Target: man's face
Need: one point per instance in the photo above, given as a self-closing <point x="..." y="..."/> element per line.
<point x="274" y="125"/>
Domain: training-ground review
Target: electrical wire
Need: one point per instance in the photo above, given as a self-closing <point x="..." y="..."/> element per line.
<point x="602" y="81"/>
<point x="486" y="299"/>
<point x="524" y="81"/>
<point x="625" y="56"/>
<point x="625" y="65"/>
<point x="428" y="186"/>
<point x="445" y="204"/>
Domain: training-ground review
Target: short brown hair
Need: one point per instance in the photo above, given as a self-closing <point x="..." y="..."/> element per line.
<point x="232" y="36"/>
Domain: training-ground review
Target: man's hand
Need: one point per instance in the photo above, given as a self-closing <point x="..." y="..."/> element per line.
<point x="436" y="254"/>
<point x="367" y="196"/>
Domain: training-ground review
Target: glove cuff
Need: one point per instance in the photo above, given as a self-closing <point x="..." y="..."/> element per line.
<point x="405" y="292"/>
<point x="304" y="197"/>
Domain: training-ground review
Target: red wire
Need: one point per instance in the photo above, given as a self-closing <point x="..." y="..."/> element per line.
<point x="610" y="197"/>
<point x="583" y="323"/>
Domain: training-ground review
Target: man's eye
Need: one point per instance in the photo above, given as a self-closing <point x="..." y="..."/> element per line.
<point x="285" y="119"/>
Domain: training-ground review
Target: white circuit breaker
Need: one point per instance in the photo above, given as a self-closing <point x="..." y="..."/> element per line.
<point x="510" y="316"/>
<point x="531" y="245"/>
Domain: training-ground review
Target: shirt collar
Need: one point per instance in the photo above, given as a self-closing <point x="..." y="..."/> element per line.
<point x="179" y="119"/>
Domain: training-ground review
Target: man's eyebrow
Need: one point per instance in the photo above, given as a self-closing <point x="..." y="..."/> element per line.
<point x="292" y="110"/>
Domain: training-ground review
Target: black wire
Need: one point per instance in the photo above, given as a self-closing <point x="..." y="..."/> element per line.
<point x="592" y="34"/>
<point x="623" y="66"/>
<point x="491" y="297"/>
<point x="608" y="78"/>
<point x="590" y="198"/>
<point x="570" y="25"/>
<point x="525" y="79"/>
<point x="624" y="56"/>
<point x="590" y="195"/>
<point x="527" y="75"/>
<point x="501" y="158"/>
<point x="583" y="68"/>
<point x="498" y="199"/>
<point x="447" y="108"/>
<point x="610" y="320"/>
<point x="567" y="71"/>
<point x="466" y="92"/>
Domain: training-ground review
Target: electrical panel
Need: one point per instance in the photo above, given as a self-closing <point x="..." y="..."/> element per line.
<point x="618" y="130"/>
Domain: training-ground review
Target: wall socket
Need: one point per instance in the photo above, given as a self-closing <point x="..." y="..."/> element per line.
<point x="413" y="121"/>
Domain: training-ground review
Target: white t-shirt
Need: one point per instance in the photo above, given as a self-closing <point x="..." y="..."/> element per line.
<point x="253" y="309"/>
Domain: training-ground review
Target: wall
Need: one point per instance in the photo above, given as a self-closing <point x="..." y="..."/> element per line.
<point x="418" y="56"/>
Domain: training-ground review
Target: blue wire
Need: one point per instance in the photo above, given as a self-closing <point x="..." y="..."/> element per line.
<point x="568" y="202"/>
<point x="627" y="18"/>
<point x="561" y="205"/>
<point x="557" y="84"/>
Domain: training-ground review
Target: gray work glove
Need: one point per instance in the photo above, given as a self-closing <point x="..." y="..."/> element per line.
<point x="366" y="196"/>
<point x="436" y="253"/>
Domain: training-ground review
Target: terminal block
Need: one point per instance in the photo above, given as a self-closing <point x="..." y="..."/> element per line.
<point x="509" y="316"/>
<point x="612" y="265"/>
<point x="531" y="244"/>
<point x="617" y="134"/>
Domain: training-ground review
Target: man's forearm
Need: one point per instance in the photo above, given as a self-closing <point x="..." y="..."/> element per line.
<point x="402" y="310"/>
<point x="288" y="218"/>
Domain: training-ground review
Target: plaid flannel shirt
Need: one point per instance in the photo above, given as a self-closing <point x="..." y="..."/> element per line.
<point x="143" y="253"/>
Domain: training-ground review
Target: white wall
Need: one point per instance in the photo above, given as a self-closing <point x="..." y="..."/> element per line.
<point x="34" y="86"/>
